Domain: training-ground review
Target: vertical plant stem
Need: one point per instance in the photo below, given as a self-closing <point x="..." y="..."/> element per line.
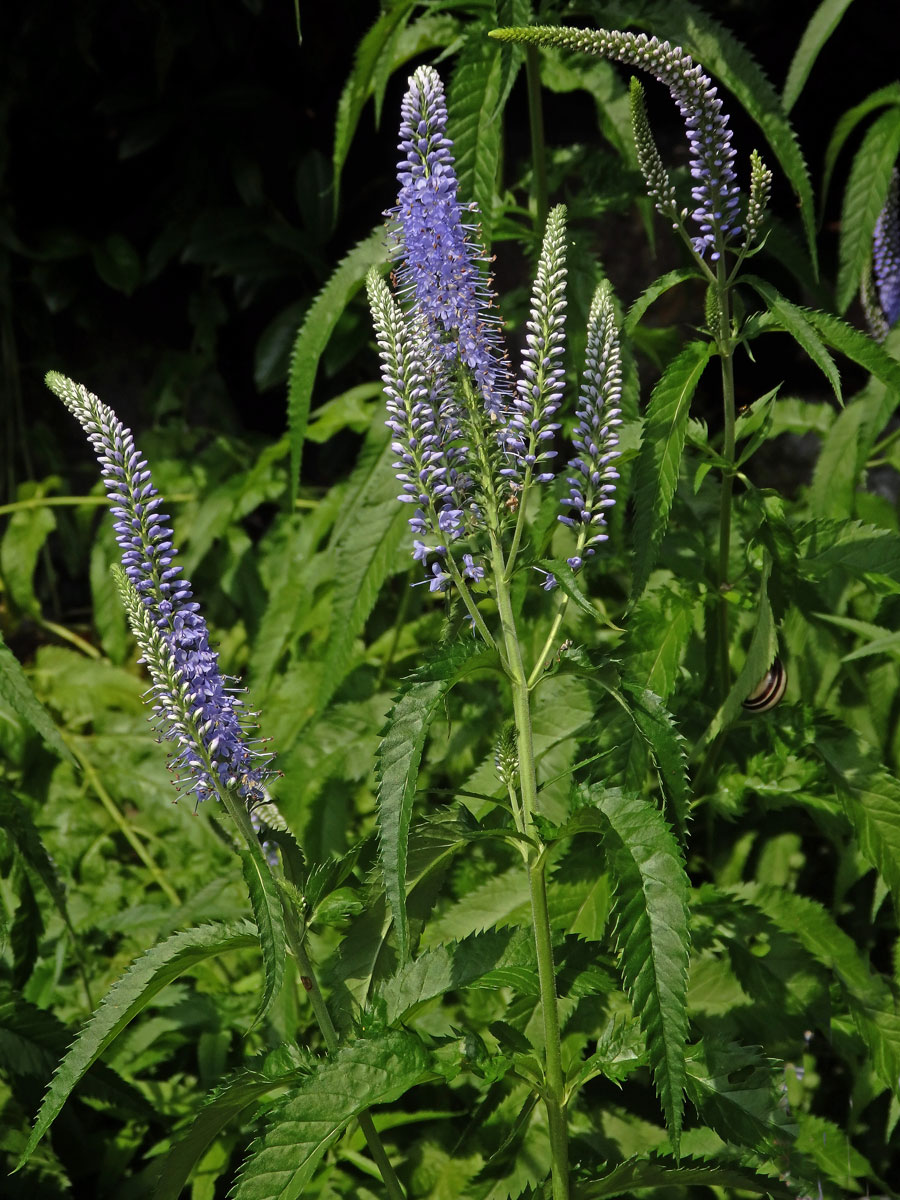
<point x="310" y="981"/>
<point x="554" y="1097"/>
<point x="538" y="148"/>
<point x="726" y="352"/>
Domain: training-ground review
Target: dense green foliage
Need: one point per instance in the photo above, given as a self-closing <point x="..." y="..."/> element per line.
<point x="721" y="887"/>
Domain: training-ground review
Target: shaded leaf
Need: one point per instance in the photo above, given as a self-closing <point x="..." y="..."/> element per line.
<point x="659" y="460"/>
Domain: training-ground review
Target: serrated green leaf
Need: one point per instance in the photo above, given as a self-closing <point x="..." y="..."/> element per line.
<point x="822" y="25"/>
<point x="864" y="197"/>
<point x="15" y="819"/>
<point x="486" y="905"/>
<point x="733" y="1088"/>
<point x="143" y="980"/>
<point x="223" y="1106"/>
<point x="476" y="95"/>
<point x="475" y="959"/>
<point x="848" y="122"/>
<point x="638" y="1173"/>
<point x="871" y="799"/>
<point x="16" y="694"/>
<point x="872" y="1004"/>
<point x="313" y="335"/>
<point x="652" y="933"/>
<point x="398" y="761"/>
<point x="368" y="1071"/>
<point x="865" y="552"/>
<point x="793" y="320"/>
<point x="652" y="293"/>
<point x="658" y="632"/>
<point x="659" y="460"/>
<point x="667" y="746"/>
<point x="364" y="559"/>
<point x="829" y="1148"/>
<point x="360" y="83"/>
<point x="860" y="349"/>
<point x="269" y="917"/>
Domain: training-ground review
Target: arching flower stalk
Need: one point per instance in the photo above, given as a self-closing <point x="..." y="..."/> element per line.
<point x="194" y="705"/>
<point x="715" y="192"/>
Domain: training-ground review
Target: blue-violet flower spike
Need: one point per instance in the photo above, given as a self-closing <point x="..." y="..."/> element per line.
<point x="539" y="389"/>
<point x="715" y="193"/>
<point x="593" y="472"/>
<point x="195" y="705"/>
<point x="440" y="266"/>
<point x="886" y="253"/>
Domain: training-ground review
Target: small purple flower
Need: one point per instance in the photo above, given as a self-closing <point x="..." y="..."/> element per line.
<point x="715" y="193"/>
<point x="440" y="267"/>
<point x="886" y="254"/>
<point x="148" y="558"/>
<point x="593" y="475"/>
<point x="471" y="569"/>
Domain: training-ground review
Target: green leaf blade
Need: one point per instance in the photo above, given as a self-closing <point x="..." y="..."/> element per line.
<point x="399" y="756"/>
<point x="657" y="468"/>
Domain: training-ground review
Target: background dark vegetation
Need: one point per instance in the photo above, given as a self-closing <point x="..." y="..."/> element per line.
<point x="166" y="210"/>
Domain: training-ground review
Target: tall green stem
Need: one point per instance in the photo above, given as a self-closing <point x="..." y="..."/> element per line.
<point x="554" y="1097"/>
<point x="726" y="353"/>
<point x="330" y="1035"/>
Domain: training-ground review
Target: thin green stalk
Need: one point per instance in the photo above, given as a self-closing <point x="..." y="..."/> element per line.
<point x="538" y="148"/>
<point x="554" y="1094"/>
<point x="330" y="1035"/>
<point x="726" y="352"/>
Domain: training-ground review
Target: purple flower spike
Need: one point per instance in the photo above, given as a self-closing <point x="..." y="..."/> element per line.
<point x="715" y="193"/>
<point x="886" y="254"/>
<point x="540" y="385"/>
<point x="440" y="267"/>
<point x="199" y="711"/>
<point x="593" y="472"/>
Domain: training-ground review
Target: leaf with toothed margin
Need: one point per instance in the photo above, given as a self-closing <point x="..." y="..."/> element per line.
<point x="399" y="756"/>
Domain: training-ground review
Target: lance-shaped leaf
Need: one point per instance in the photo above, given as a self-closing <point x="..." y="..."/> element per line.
<point x="399" y="756"/>
<point x="313" y="335"/>
<point x="143" y="980"/>
<point x="484" y="959"/>
<point x="734" y="1089"/>
<point x="637" y="1173"/>
<point x="659" y="460"/>
<point x="822" y="25"/>
<point x="269" y="916"/>
<point x="652" y="933"/>
<point x="16" y="693"/>
<point x="872" y="1005"/>
<point x="368" y="1071"/>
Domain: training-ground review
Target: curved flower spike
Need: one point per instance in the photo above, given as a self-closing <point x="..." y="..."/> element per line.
<point x="716" y="195"/>
<point x="193" y="702"/>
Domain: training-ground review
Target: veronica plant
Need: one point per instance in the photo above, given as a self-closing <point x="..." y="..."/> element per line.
<point x="472" y="445"/>
<point x="199" y="710"/>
